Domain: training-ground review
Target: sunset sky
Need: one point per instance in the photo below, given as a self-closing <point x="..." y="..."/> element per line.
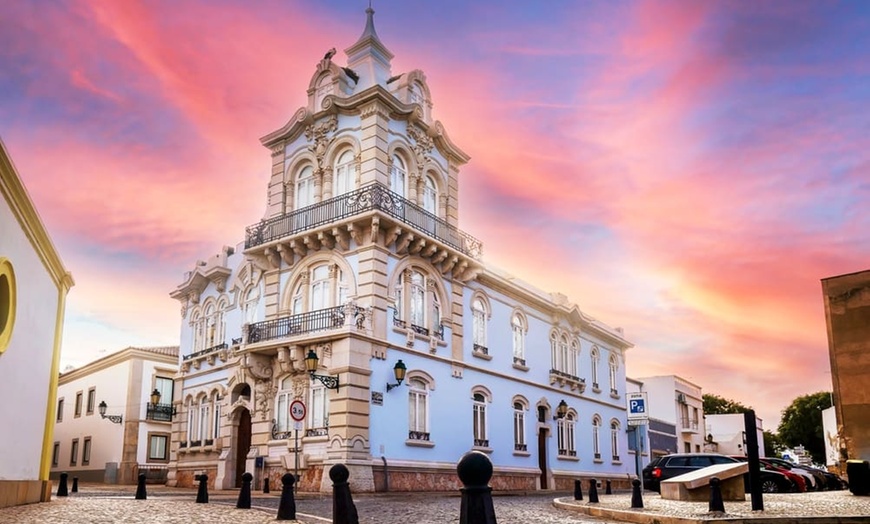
<point x="685" y="170"/>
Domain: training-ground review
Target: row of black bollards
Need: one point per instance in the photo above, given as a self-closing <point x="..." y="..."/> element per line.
<point x="636" y="498"/>
<point x="62" y="488"/>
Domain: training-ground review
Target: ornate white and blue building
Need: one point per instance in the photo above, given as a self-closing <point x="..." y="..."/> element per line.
<point x="359" y="266"/>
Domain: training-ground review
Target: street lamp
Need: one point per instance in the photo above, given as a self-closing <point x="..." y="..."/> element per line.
<point x="561" y="410"/>
<point x="399" y="371"/>
<point x="112" y="418"/>
<point x="328" y="381"/>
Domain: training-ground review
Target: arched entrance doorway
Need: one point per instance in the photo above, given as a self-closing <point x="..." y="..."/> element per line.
<point x="243" y="444"/>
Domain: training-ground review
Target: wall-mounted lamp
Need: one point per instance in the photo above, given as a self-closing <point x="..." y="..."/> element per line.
<point x="328" y="381"/>
<point x="157" y="411"/>
<point x="399" y="371"/>
<point x="113" y="418"/>
<point x="561" y="410"/>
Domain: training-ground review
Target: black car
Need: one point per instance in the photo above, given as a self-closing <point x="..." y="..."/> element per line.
<point x="669" y="466"/>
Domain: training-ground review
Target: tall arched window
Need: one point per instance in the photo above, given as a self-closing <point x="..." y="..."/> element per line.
<point x="192" y="420"/>
<point x="344" y="173"/>
<point x="565" y="434"/>
<point x="478" y="321"/>
<point x="398" y="176"/>
<point x="305" y="187"/>
<point x="479" y="410"/>
<point x="418" y="409"/>
<point x="323" y="287"/>
<point x="318" y="414"/>
<point x="596" y="359"/>
<point x="596" y="442"/>
<point x="210" y="326"/>
<point x="249" y="305"/>
<point x="564" y="355"/>
<point x="198" y="325"/>
<point x="520" y="408"/>
<point x="418" y="303"/>
<point x="205" y="422"/>
<point x="614" y="367"/>
<point x="430" y="195"/>
<point x="614" y="439"/>
<point x="518" y="337"/>
<point x="418" y="299"/>
<point x="282" y="405"/>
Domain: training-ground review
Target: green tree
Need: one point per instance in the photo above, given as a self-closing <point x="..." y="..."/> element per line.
<point x="801" y="424"/>
<point x="772" y="445"/>
<point x="716" y="405"/>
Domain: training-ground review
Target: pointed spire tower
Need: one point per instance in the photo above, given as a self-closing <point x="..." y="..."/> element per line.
<point x="369" y="57"/>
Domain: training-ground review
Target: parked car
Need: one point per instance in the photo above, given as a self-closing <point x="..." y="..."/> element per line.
<point x="669" y="466"/>
<point x="815" y="481"/>
<point x="799" y="483"/>
<point x="823" y="479"/>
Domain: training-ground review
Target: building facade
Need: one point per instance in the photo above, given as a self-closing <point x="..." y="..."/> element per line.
<point x="726" y="434"/>
<point x="360" y="271"/>
<point x="107" y="426"/>
<point x="33" y="289"/>
<point x="847" y="315"/>
<point x="676" y="401"/>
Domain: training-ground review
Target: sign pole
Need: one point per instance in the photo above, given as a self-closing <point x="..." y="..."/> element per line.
<point x="297" y="413"/>
<point x="296" y="466"/>
<point x="637" y="455"/>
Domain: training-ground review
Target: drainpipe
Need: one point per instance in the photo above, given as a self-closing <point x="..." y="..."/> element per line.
<point x="386" y="475"/>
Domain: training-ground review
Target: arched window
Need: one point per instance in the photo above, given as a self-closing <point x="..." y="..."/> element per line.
<point x="564" y="355"/>
<point x="205" y="422"/>
<point x="614" y="439"/>
<point x="192" y="420"/>
<point x="614" y="367"/>
<point x="344" y="173"/>
<point x="596" y="442"/>
<point x="430" y="195"/>
<point x="210" y="326"/>
<point x="520" y="408"/>
<point x="304" y="188"/>
<point x="418" y="409"/>
<point x="398" y="176"/>
<point x="417" y="301"/>
<point x="518" y="337"/>
<point x="322" y="287"/>
<point x="282" y="405"/>
<point x="198" y="325"/>
<point x="478" y="321"/>
<point x="479" y="411"/>
<point x="318" y="414"/>
<point x="596" y="359"/>
<point x="555" y="361"/>
<point x="249" y="305"/>
<point x="565" y="434"/>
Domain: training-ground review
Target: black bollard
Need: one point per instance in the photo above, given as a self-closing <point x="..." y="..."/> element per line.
<point x="636" y="497"/>
<point x="593" y="491"/>
<point x="287" y="505"/>
<point x="202" y="492"/>
<point x="75" y="488"/>
<point x="475" y="471"/>
<point x="607" y="490"/>
<point x="244" y="501"/>
<point x="62" y="489"/>
<point x="140" y="488"/>
<point x="266" y="485"/>
<point x="578" y="490"/>
<point x="343" y="508"/>
<point x="716" y="503"/>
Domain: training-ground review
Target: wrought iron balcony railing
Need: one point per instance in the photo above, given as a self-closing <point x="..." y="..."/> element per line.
<point x="520" y="447"/>
<point x="418" y="435"/>
<point x="437" y="333"/>
<point x="481" y="349"/>
<point x="160" y="412"/>
<point x="481" y="442"/>
<point x="204" y="352"/>
<point x="369" y="198"/>
<point x="320" y="320"/>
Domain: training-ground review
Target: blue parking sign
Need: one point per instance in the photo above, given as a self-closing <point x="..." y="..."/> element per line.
<point x="637" y="406"/>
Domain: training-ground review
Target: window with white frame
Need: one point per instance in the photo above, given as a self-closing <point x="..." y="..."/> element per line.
<point x="614" y="439"/>
<point x="565" y="434"/>
<point x="165" y="386"/>
<point x="563" y="355"/>
<point x="614" y="367"/>
<point x="518" y="338"/>
<point x="344" y="173"/>
<point x="198" y="325"/>
<point x="205" y="424"/>
<point x="318" y="418"/>
<point x="520" y="426"/>
<point x="595" y="358"/>
<point x="210" y="325"/>
<point x="430" y="195"/>
<point x="418" y="302"/>
<point x="398" y="176"/>
<point x="478" y="324"/>
<point x="304" y="188"/>
<point x="596" y="442"/>
<point x="193" y="428"/>
<point x="418" y="409"/>
<point x="158" y="447"/>
<point x="282" y="405"/>
<point x="322" y="287"/>
<point x="479" y="410"/>
<point x="249" y="305"/>
<point x="216" y="425"/>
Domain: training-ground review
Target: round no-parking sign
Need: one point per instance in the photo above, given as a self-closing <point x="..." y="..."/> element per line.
<point x="297" y="410"/>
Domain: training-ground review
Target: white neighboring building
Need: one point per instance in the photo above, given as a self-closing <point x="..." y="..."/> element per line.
<point x="33" y="289"/>
<point x="134" y="434"/>
<point x="677" y="401"/>
<point x="726" y="434"/>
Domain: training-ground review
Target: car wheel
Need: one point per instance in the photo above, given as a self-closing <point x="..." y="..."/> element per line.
<point x="769" y="486"/>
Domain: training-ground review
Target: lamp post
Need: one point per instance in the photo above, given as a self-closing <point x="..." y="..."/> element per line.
<point x="117" y="419"/>
<point x="399" y="371"/>
<point x="311" y="361"/>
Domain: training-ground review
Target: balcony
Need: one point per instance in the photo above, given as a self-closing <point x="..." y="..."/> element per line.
<point x="374" y="197"/>
<point x="159" y="412"/>
<point x="204" y="352"/>
<point x="314" y="321"/>
<point x="689" y="425"/>
<point x="420" y="330"/>
<point x="566" y="379"/>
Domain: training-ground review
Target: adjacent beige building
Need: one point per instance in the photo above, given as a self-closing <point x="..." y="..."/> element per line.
<point x="33" y="289"/>
<point x="847" y="314"/>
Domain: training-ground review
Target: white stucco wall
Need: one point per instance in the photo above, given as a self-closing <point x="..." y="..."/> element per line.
<point x="25" y="367"/>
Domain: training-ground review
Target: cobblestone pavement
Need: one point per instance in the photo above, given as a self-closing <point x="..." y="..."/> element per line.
<point x="116" y="504"/>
